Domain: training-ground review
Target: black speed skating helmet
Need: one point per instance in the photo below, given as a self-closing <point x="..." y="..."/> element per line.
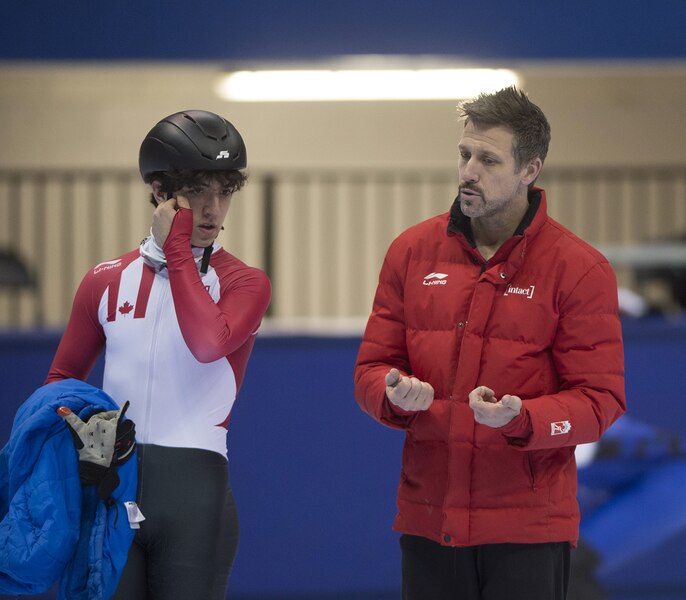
<point x="192" y="139"/>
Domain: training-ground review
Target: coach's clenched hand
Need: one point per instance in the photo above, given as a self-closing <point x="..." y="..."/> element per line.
<point x="488" y="410"/>
<point x="408" y="393"/>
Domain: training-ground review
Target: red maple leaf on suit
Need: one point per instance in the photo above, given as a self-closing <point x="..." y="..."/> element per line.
<point x="126" y="308"/>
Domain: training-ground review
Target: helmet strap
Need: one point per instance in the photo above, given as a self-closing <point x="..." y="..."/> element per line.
<point x="204" y="265"/>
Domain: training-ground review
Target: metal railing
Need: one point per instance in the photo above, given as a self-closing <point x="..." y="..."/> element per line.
<point x="320" y="235"/>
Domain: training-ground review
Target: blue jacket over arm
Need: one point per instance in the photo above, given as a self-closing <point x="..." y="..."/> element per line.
<point x="51" y="526"/>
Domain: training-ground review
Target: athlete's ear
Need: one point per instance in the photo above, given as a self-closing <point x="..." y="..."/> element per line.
<point x="160" y="196"/>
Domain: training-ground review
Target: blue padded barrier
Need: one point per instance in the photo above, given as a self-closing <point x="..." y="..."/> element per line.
<point x="315" y="478"/>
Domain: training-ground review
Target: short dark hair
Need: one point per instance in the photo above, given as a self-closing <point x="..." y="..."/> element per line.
<point x="173" y="181"/>
<point x="512" y="109"/>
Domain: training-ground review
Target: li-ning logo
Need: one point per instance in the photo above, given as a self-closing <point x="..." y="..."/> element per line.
<point x="527" y="291"/>
<point x="105" y="266"/>
<point x="560" y="427"/>
<point x="223" y="154"/>
<point x="435" y="279"/>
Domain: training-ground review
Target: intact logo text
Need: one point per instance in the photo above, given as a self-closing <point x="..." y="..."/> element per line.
<point x="519" y="291"/>
<point x="223" y="154"/>
<point x="435" y="279"/>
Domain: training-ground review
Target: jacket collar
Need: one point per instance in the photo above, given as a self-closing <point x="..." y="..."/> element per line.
<point x="154" y="256"/>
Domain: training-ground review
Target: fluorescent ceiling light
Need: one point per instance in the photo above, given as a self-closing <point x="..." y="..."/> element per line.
<point x="366" y="84"/>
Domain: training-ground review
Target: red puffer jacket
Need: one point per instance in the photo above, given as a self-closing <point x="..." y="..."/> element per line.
<point x="539" y="321"/>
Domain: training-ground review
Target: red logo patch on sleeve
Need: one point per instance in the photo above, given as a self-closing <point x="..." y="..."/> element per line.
<point x="560" y="427"/>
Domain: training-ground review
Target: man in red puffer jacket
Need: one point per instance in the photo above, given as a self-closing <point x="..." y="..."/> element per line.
<point x="495" y="343"/>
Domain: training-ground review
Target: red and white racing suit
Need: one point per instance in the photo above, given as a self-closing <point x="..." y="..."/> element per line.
<point x="176" y="341"/>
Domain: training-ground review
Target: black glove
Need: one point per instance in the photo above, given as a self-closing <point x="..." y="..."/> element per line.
<point x="103" y="442"/>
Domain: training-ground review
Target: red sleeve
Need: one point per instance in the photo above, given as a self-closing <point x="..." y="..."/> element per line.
<point x="83" y="339"/>
<point x="383" y="347"/>
<point x="212" y="331"/>
<point x="589" y="359"/>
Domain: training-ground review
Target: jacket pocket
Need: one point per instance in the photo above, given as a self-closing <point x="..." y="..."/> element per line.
<point x="532" y="471"/>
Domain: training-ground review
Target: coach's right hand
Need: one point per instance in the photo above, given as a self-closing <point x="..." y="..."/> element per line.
<point x="408" y="393"/>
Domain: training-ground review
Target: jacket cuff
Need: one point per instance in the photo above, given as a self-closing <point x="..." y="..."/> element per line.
<point x="394" y="414"/>
<point x="519" y="430"/>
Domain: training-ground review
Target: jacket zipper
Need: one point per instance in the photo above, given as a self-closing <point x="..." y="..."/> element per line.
<point x="148" y="394"/>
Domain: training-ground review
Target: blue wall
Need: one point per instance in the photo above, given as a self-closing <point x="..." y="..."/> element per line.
<point x="307" y="29"/>
<point x="315" y="478"/>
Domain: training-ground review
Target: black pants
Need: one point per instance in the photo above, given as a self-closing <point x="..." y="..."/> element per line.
<point x="489" y="572"/>
<point x="186" y="546"/>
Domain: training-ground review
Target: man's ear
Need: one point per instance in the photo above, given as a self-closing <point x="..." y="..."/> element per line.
<point x="532" y="171"/>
